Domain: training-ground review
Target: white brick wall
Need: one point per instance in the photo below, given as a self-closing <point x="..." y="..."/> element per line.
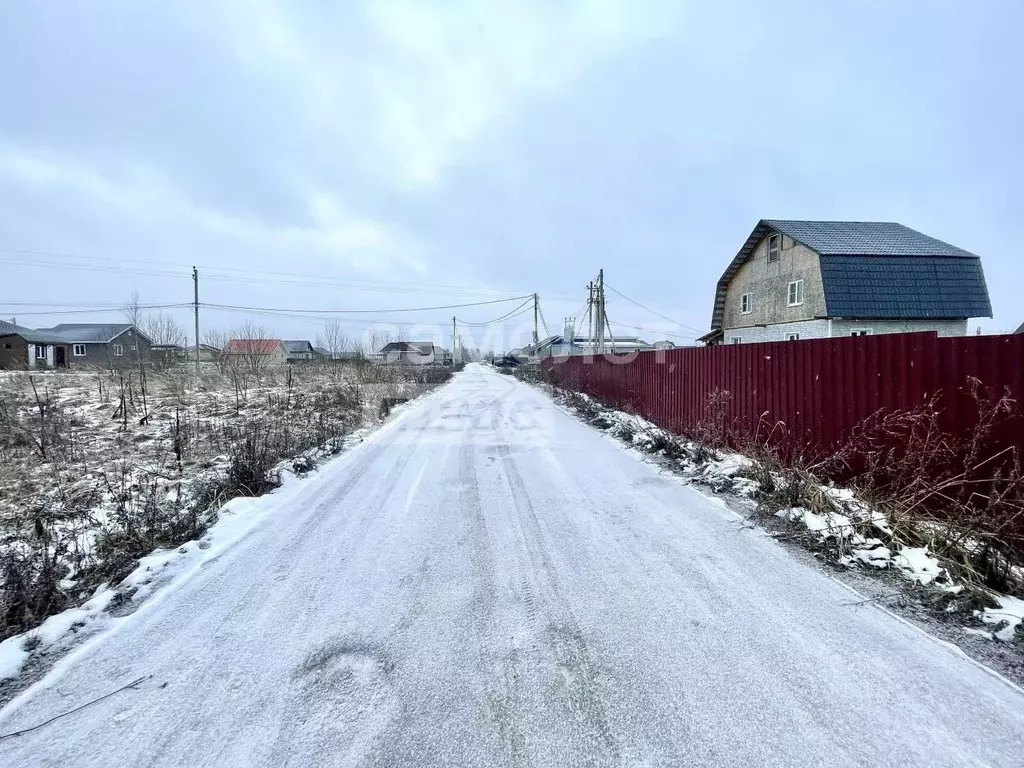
<point x="819" y="329"/>
<point x="808" y="329"/>
<point x="877" y="327"/>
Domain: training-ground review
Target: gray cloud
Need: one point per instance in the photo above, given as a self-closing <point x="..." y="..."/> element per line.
<point x="493" y="144"/>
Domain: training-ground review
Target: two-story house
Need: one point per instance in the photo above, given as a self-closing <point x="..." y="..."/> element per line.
<point x="817" y="279"/>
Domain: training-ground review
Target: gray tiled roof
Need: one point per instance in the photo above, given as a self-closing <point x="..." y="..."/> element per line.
<point x="904" y="287"/>
<point x="293" y="346"/>
<point x="88" y="332"/>
<point x="426" y="347"/>
<point x="865" y="238"/>
<point x="28" y="334"/>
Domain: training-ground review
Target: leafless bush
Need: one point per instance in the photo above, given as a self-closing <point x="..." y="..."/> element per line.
<point x="530" y="373"/>
<point x="147" y="513"/>
<point x="964" y="497"/>
<point x="663" y="443"/>
<point x="39" y="423"/>
<point x="39" y="547"/>
<point x="256" y="451"/>
<point x="711" y="432"/>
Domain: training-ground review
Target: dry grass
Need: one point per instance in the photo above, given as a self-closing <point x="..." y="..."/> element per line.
<point x="963" y="499"/>
<point x="101" y="468"/>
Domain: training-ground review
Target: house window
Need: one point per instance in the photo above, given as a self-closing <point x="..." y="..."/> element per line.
<point x="795" y="295"/>
<point x="118" y="350"/>
<point x="745" y="304"/>
<point x="736" y="340"/>
<point x="774" y="246"/>
<point x="7" y="346"/>
<point x="78" y="350"/>
<point x="793" y="337"/>
<point x="40" y="352"/>
<point x="861" y="332"/>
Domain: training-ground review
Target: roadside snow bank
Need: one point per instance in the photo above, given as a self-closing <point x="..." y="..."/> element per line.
<point x="1010" y="612"/>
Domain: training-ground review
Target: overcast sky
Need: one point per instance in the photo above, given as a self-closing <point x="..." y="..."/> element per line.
<point x="405" y="153"/>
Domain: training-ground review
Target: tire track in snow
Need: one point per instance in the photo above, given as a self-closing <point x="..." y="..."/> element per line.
<point x="575" y="686"/>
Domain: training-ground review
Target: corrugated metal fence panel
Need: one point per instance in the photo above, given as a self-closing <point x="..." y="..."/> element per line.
<point x="810" y="392"/>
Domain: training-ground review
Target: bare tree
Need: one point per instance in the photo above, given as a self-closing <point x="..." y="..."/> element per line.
<point x="133" y="314"/>
<point x="217" y="340"/>
<point x="375" y="339"/>
<point x="132" y="310"/>
<point x="335" y="340"/>
<point x="163" y="329"/>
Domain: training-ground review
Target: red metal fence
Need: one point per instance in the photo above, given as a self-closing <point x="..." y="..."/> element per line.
<point x="815" y="390"/>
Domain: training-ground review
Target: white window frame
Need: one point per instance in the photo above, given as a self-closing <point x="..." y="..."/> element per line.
<point x="75" y="348"/>
<point x="117" y="349"/>
<point x="735" y="339"/>
<point x="860" y="332"/>
<point x="792" y="337"/>
<point x="40" y="348"/>
<point x="745" y="304"/>
<point x="777" y="239"/>
<point x="795" y="293"/>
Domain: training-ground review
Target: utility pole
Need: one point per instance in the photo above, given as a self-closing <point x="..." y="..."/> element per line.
<point x="195" y="307"/>
<point x="600" y="312"/>
<point x="453" y="340"/>
<point x="590" y="315"/>
<point x="536" y="337"/>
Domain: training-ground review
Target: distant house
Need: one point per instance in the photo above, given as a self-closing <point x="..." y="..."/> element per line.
<point x="552" y="346"/>
<point x="255" y="352"/>
<point x="813" y="279"/>
<point x="208" y="353"/>
<point x="619" y="345"/>
<point x="414" y="353"/>
<point x="108" y="345"/>
<point x="27" y="348"/>
<point x="297" y="350"/>
<point x="562" y="346"/>
<point x="164" y="355"/>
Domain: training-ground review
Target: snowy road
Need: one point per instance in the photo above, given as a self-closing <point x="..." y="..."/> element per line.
<point x="488" y="582"/>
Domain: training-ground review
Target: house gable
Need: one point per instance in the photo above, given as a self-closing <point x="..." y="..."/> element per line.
<point x="767" y="285"/>
<point x="863" y="269"/>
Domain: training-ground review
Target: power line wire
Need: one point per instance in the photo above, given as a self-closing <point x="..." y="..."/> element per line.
<point x="96" y="310"/>
<point x="247" y="274"/>
<point x="366" y="311"/>
<point x="658" y="331"/>
<point x="521" y="308"/>
<point x="543" y="321"/>
<point x="90" y="268"/>
<point x="648" y="309"/>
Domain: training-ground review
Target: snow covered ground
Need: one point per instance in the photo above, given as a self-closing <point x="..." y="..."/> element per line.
<point x="100" y="471"/>
<point x="487" y="581"/>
